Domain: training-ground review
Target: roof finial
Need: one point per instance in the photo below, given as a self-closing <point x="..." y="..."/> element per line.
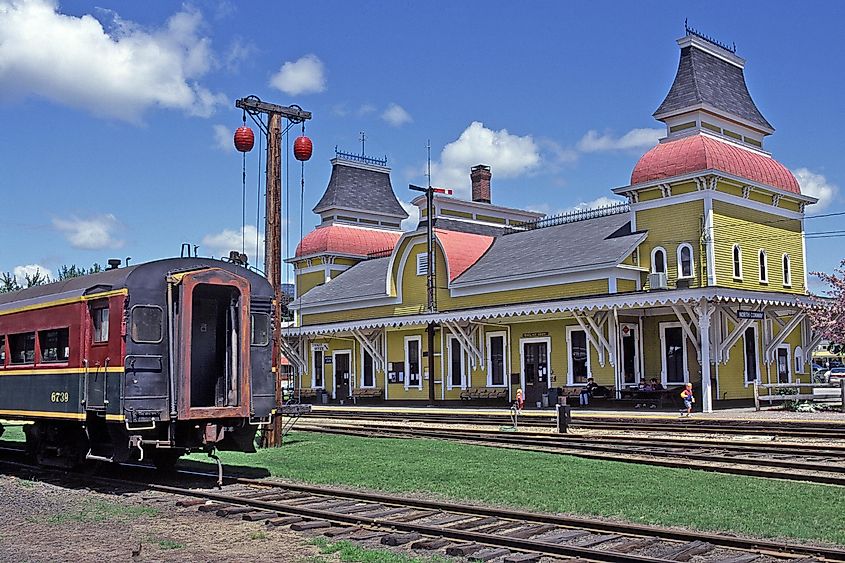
<point x="691" y="31"/>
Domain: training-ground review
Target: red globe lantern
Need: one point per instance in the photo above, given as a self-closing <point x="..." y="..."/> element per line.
<point x="302" y="148"/>
<point x="244" y="139"/>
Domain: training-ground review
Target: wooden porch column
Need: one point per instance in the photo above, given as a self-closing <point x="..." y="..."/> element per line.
<point x="705" y="312"/>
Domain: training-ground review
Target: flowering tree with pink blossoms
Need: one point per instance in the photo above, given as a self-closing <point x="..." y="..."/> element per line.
<point x="828" y="314"/>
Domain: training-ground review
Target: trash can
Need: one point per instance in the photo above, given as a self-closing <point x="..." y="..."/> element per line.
<point x="324" y="397"/>
<point x="545" y="400"/>
<point x="554" y="393"/>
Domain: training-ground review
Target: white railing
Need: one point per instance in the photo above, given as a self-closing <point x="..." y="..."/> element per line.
<point x="798" y="396"/>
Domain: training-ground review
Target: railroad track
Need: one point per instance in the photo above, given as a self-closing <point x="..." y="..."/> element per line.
<point x="476" y="532"/>
<point x="685" y="425"/>
<point x="803" y="462"/>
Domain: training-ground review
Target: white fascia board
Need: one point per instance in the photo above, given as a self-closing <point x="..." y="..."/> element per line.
<point x="712" y="110"/>
<point x="365" y="214"/>
<point x="346" y="304"/>
<point x="717" y="196"/>
<point x="543" y="279"/>
<point x="639" y="300"/>
<point x="323" y="254"/>
<point x="711" y="49"/>
<point x="475" y="207"/>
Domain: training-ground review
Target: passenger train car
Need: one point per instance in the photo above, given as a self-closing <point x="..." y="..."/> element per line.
<point x="147" y="361"/>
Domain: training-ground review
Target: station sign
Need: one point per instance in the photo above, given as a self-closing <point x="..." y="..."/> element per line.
<point x="754" y="315"/>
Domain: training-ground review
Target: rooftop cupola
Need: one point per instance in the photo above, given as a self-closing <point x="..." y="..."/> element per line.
<point x="360" y="193"/>
<point x="709" y="94"/>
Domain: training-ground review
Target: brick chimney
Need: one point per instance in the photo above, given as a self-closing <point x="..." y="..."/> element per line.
<point x="480" y="176"/>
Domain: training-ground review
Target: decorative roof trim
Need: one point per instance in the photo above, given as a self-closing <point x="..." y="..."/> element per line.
<point x="591" y="303"/>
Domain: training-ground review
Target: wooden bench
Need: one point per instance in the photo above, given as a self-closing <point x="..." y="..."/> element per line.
<point x="306" y="393"/>
<point x="484" y="393"/>
<point x="367" y="393"/>
<point x="657" y="399"/>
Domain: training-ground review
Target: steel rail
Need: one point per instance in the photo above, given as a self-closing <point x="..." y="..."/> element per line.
<point x="782" y="550"/>
<point x="627" y="456"/>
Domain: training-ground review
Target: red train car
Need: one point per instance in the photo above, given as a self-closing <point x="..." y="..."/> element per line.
<point x="148" y="361"/>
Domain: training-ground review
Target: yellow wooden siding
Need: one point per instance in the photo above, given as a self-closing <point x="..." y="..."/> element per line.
<point x="625" y="286"/>
<point x="754" y="230"/>
<point x="684" y="188"/>
<point x="306" y="282"/>
<point x="396" y="353"/>
<point x="585" y="288"/>
<point x="652" y="352"/>
<point x="454" y="213"/>
<point x="491" y="219"/>
<point x="668" y="227"/>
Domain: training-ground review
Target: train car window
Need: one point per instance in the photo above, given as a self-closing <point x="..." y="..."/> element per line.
<point x="260" y="329"/>
<point x="2" y="351"/>
<point x="22" y="348"/>
<point x="146" y="324"/>
<point x="100" y="317"/>
<point x="54" y="345"/>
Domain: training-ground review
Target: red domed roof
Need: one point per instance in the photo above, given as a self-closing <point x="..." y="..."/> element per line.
<point x="339" y="239"/>
<point x="701" y="152"/>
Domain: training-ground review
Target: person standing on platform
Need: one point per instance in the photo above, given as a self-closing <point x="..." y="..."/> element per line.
<point x="689" y="399"/>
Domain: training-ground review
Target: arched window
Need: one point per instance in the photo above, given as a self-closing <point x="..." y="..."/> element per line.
<point x="737" y="262"/>
<point x="799" y="360"/>
<point x="658" y="260"/>
<point x="787" y="271"/>
<point x="764" y="269"/>
<point x="685" y="269"/>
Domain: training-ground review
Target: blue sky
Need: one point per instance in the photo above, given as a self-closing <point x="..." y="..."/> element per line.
<point x="118" y="116"/>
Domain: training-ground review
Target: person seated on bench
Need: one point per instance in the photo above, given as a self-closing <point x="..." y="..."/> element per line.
<point x="656" y="385"/>
<point x="644" y="389"/>
<point x="587" y="392"/>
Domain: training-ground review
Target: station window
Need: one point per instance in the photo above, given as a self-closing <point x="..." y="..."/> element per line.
<point x="412" y="362"/>
<point x="54" y="345"/>
<point x="100" y="319"/>
<point x="496" y="359"/>
<point x="2" y="351"/>
<point x="367" y="373"/>
<point x="764" y="267"/>
<point x="685" y="261"/>
<point x="456" y="363"/>
<point x="317" y="364"/>
<point x="260" y="329"/>
<point x="22" y="348"/>
<point x="751" y="361"/>
<point x="787" y="271"/>
<point x="146" y="324"/>
<point x="674" y="354"/>
<point x="579" y="356"/>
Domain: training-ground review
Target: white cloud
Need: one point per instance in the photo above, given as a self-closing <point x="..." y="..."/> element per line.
<point x="396" y="115"/>
<point x="221" y="243"/>
<point x="816" y="185"/>
<point x="20" y="272"/>
<point x="303" y="76"/>
<point x="95" y="233"/>
<point x="238" y="52"/>
<point x="118" y="73"/>
<point x="366" y="109"/>
<point x="508" y="155"/>
<point x="633" y="139"/>
<point x="223" y="138"/>
<point x="413" y="219"/>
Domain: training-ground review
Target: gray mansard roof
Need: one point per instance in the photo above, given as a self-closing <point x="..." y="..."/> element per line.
<point x="592" y="243"/>
<point x="703" y="78"/>
<point x="362" y="188"/>
<point x="365" y="279"/>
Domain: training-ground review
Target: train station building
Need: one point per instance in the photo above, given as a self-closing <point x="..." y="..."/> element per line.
<point x="698" y="277"/>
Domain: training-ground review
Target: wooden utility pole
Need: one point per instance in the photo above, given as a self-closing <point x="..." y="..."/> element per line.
<point x="273" y="224"/>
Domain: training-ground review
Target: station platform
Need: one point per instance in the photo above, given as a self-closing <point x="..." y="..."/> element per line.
<point x="737" y="414"/>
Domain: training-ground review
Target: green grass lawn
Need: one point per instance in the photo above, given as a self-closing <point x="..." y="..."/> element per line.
<point x="556" y="483"/>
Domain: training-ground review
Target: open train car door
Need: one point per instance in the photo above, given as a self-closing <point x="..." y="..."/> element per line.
<point x="213" y="344"/>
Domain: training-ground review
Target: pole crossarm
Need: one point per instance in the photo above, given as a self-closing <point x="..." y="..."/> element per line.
<point x="253" y="105"/>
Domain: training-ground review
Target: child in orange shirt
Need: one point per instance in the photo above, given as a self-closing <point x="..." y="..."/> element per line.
<point x="688" y="398"/>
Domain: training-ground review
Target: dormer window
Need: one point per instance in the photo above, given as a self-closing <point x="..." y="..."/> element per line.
<point x="764" y="267"/>
<point x="737" y="258"/>
<point x="787" y="271"/>
<point x="685" y="269"/>
<point x="658" y="260"/>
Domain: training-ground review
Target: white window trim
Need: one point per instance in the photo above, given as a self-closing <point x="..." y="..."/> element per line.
<point x="756" y="355"/>
<point x="522" y="343"/>
<point x="490" y="336"/>
<point x="663" y="374"/>
<point x="665" y="260"/>
<point x="418" y="340"/>
<point x="422" y="263"/>
<point x="569" y="374"/>
<point x="314" y="349"/>
<point x="763" y="258"/>
<point x="691" y="261"/>
<point x="786" y="261"/>
<point x="798" y="354"/>
<point x="335" y="354"/>
<point x="635" y="331"/>
<point x="373" y="386"/>
<point x="789" y="358"/>
<point x="736" y="248"/>
<point x="449" y="384"/>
